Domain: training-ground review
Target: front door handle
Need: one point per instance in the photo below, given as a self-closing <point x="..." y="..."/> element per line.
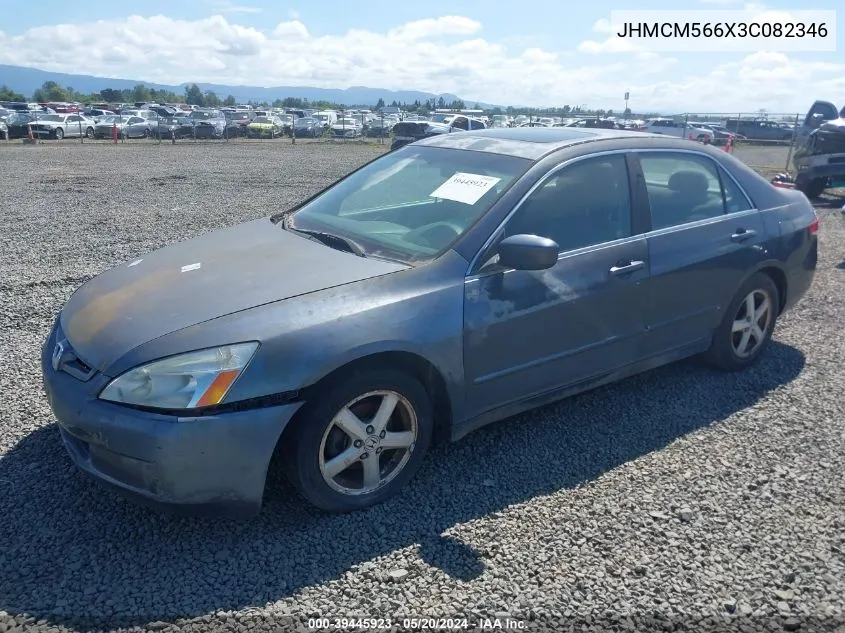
<point x="626" y="268"/>
<point x="743" y="234"/>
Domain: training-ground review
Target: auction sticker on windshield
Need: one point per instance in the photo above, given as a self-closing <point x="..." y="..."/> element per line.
<point x="466" y="188"/>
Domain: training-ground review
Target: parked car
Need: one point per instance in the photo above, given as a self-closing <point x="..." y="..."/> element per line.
<point x="458" y="121"/>
<point x="208" y="123"/>
<point x="721" y="134"/>
<point x="265" y="126"/>
<point x="127" y="127"/>
<point x="819" y="158"/>
<point x="760" y="130"/>
<point x="406" y="132"/>
<point x="449" y="284"/>
<point x="347" y="128"/>
<point x="17" y="124"/>
<point x="236" y="123"/>
<point x="380" y="128"/>
<point x="95" y="114"/>
<point x="59" y="126"/>
<point x="307" y="127"/>
<point x="681" y="129"/>
<point x="176" y="127"/>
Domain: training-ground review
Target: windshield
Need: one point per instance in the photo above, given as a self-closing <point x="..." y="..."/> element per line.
<point x="413" y="203"/>
<point x="304" y="122"/>
<point x="441" y="118"/>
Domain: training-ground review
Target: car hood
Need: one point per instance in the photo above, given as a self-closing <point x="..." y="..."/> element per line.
<point x="190" y="282"/>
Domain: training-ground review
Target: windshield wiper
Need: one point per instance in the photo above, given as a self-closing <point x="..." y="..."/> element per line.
<point x="329" y="239"/>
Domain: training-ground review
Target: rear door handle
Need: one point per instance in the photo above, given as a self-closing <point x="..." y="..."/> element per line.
<point x="743" y="234"/>
<point x="626" y="268"/>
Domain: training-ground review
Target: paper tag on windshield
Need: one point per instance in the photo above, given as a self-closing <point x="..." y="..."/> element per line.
<point x="466" y="188"/>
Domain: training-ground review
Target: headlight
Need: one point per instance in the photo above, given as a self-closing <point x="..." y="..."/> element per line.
<point x="185" y="381"/>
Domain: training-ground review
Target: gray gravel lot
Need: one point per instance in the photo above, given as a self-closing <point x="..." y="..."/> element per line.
<point x="684" y="499"/>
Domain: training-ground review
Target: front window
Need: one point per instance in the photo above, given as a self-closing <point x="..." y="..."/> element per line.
<point x="413" y="203"/>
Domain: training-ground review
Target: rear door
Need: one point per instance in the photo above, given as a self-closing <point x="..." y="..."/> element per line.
<point x="705" y="238"/>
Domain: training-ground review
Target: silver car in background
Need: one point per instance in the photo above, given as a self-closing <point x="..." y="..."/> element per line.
<point x="59" y="126"/>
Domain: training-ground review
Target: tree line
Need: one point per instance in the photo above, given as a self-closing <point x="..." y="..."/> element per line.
<point x="51" y="91"/>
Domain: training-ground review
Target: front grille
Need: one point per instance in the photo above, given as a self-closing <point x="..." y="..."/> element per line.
<point x="67" y="361"/>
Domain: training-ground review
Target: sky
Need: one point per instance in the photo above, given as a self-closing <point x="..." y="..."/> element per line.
<point x="540" y="53"/>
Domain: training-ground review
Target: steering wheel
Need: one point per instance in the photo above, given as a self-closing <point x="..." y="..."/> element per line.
<point x="434" y="235"/>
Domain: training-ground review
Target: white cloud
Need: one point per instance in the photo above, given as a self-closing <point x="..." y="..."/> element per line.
<point x="293" y="14"/>
<point x="445" y="54"/>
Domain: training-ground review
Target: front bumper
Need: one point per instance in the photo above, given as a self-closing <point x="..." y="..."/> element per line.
<point x="211" y="465"/>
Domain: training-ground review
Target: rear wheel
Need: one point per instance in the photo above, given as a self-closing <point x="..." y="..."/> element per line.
<point x="89" y="132"/>
<point x="746" y="329"/>
<point x="360" y="441"/>
<point x="812" y="188"/>
<point x="60" y="134"/>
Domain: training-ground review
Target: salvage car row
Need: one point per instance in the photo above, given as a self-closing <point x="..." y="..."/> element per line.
<point x="160" y="121"/>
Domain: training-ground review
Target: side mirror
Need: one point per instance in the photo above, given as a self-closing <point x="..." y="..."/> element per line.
<point x="528" y="252"/>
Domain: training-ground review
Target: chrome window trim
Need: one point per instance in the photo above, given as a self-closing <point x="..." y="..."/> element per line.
<point x="577" y="159"/>
<point x="718" y="167"/>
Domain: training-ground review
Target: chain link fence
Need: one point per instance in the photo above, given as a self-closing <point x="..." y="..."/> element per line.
<point x="764" y="141"/>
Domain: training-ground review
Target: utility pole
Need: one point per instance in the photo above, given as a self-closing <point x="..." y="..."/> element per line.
<point x="627" y="95"/>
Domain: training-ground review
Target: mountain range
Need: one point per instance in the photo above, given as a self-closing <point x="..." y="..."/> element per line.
<point x="28" y="80"/>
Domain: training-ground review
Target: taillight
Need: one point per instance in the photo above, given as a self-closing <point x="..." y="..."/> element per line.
<point x="814" y="226"/>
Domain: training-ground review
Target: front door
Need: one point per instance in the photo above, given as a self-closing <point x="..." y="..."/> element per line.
<point x="706" y="237"/>
<point x="529" y="332"/>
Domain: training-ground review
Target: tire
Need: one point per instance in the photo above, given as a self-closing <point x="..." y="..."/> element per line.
<point x="315" y="439"/>
<point x="723" y="352"/>
<point x="812" y="188"/>
<point x="60" y="134"/>
<point x="89" y="133"/>
<point x="146" y="134"/>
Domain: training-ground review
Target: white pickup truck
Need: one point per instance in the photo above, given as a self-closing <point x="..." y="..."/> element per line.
<point x="671" y="127"/>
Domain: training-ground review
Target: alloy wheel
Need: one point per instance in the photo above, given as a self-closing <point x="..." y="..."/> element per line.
<point x="368" y="442"/>
<point x="751" y="323"/>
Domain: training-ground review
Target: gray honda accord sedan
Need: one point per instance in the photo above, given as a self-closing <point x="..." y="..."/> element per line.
<point x="451" y="283"/>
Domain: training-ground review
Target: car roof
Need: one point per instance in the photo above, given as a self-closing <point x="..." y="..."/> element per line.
<point x="528" y="142"/>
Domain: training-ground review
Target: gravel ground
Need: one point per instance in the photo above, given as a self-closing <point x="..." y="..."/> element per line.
<point x="684" y="499"/>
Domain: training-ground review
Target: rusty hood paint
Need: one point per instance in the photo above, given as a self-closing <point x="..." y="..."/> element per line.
<point x="187" y="283"/>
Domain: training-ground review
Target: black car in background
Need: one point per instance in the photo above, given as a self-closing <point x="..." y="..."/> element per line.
<point x="176" y="127"/>
<point x="237" y="122"/>
<point x="208" y="123"/>
<point x="307" y="127"/>
<point x="406" y="132"/>
<point x="18" y="124"/>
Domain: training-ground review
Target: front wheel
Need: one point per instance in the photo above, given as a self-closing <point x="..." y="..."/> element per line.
<point x="746" y="328"/>
<point x="60" y="134"/>
<point x="361" y="441"/>
<point x="89" y="133"/>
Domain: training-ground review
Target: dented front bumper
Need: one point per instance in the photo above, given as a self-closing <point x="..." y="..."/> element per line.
<point x="215" y="464"/>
